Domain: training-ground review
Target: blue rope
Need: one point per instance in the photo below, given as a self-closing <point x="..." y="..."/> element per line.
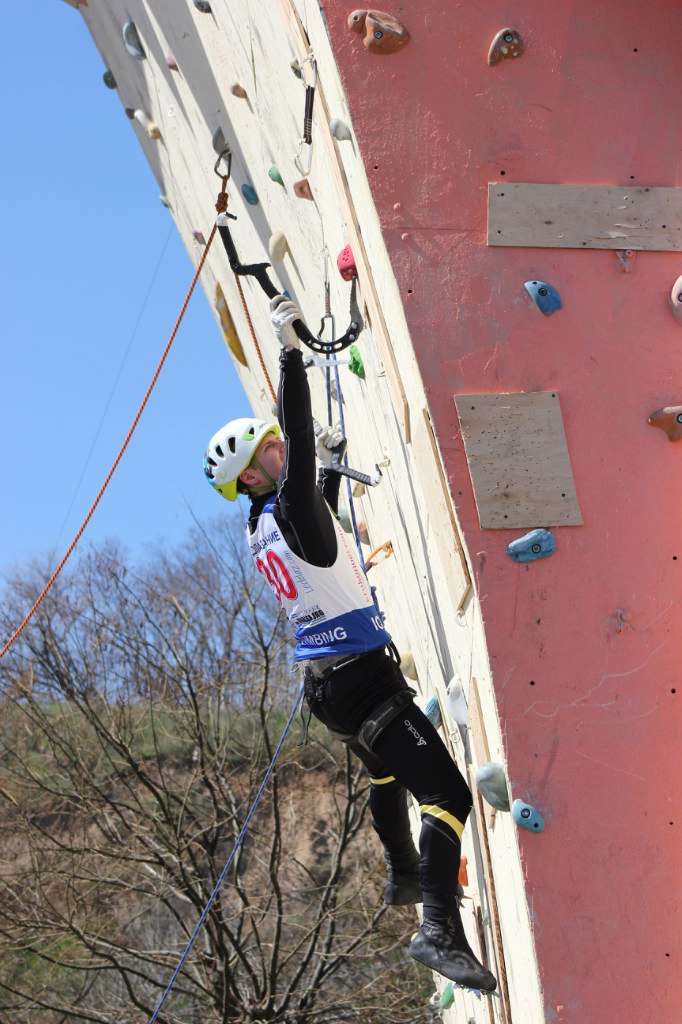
<point x="227" y="867"/>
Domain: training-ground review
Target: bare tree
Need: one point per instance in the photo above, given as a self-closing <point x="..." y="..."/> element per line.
<point x="141" y="710"/>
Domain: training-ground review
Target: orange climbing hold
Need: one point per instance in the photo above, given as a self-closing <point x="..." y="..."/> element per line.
<point x="382" y="33"/>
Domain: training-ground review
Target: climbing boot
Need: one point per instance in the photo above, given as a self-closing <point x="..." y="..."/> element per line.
<point x="402" y="890"/>
<point x="403" y="886"/>
<point x="443" y="947"/>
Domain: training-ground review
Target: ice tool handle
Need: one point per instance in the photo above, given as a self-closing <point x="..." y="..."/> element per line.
<point x="337" y="466"/>
<point x="260" y="272"/>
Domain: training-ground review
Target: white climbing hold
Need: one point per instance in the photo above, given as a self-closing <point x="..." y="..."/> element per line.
<point x="340" y="130"/>
<point x="407" y="666"/>
<point x="132" y="40"/>
<point x="151" y="128"/>
<point x="456" y="701"/>
<point x="278" y="246"/>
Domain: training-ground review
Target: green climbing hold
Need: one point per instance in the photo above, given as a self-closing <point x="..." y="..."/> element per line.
<point x="355" y="364"/>
<point x="109" y="79"/>
<point x="275" y="175"/>
<point x="447" y="996"/>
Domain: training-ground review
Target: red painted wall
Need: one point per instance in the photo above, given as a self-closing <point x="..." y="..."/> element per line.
<point x="591" y="719"/>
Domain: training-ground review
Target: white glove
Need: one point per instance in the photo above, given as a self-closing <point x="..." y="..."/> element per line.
<point x="326" y="438"/>
<point x="283" y="312"/>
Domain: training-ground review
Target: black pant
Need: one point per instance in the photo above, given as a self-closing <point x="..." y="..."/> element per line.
<point x="408" y="755"/>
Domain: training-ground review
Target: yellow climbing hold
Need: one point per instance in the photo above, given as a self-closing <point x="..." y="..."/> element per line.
<point x="227" y="324"/>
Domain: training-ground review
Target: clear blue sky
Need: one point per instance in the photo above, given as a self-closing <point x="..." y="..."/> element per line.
<point x="93" y="277"/>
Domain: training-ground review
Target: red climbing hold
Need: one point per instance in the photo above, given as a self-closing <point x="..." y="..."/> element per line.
<point x="345" y="261"/>
<point x="302" y="189"/>
<point x="382" y="33"/>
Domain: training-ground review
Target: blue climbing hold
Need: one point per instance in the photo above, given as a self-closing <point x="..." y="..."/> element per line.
<point x="545" y="297"/>
<point x="527" y="817"/>
<point x="250" y="194"/>
<point x="132" y="40"/>
<point x="533" y="545"/>
<point x="432" y="712"/>
<point x="491" y="783"/>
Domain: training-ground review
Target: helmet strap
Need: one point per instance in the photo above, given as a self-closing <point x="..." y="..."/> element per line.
<point x="263" y="488"/>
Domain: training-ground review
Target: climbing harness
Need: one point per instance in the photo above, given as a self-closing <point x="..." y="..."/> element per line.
<point x="228" y="865"/>
<point x="260" y="272"/>
<point x="304" y="154"/>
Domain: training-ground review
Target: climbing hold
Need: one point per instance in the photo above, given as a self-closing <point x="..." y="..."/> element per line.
<point x="527" y="817"/>
<point x="238" y="90"/>
<point x="668" y="419"/>
<point x="382" y="33"/>
<point x="344" y="520"/>
<point x="447" y="996"/>
<point x="340" y="130"/>
<point x="456" y="702"/>
<point x="250" y="194"/>
<point x="203" y="6"/>
<point x="362" y="532"/>
<point x="132" y="40"/>
<point x="492" y="785"/>
<point x="407" y="665"/>
<point x="278" y="246"/>
<point x="345" y="261"/>
<point x="626" y="259"/>
<point x="219" y="142"/>
<point x="507" y="43"/>
<point x="109" y="79"/>
<point x="151" y="128"/>
<point x="432" y="712"/>
<point x="166" y="202"/>
<point x="198" y="236"/>
<point x="355" y="363"/>
<point x="676" y="300"/>
<point x="302" y="189"/>
<point x="359" y="489"/>
<point x="463" y="874"/>
<point x="171" y="62"/>
<point x="130" y="113"/>
<point x="274" y="174"/>
<point x="296" y="68"/>
<point x="545" y="297"/>
<point x="227" y="325"/>
<point x="536" y="544"/>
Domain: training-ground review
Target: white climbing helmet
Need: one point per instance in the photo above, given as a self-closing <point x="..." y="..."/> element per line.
<point x="230" y="451"/>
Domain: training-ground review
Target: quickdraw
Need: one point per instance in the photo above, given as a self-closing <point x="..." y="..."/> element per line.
<point x="305" y="146"/>
<point x="379" y="555"/>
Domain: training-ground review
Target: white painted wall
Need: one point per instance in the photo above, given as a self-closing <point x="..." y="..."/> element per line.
<point x="424" y="589"/>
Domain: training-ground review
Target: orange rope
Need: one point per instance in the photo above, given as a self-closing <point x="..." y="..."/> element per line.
<point x="255" y="340"/>
<point x="221" y="206"/>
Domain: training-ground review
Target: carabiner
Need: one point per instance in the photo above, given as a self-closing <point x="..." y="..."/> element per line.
<point x="304" y="168"/>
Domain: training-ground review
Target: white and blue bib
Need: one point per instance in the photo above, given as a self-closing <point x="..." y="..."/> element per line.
<point x="331" y="608"/>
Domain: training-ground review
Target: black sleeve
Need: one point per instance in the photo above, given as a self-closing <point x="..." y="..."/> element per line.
<point x="301" y="510"/>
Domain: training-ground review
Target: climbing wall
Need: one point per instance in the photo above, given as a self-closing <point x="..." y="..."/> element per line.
<point x="507" y="182"/>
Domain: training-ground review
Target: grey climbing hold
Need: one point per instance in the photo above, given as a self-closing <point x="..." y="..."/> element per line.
<point x="544" y="295"/>
<point x="533" y="545"/>
<point x="132" y="40"/>
<point x="203" y="6"/>
<point x="340" y="130"/>
<point x="219" y="142"/>
<point x="492" y="785"/>
<point x="250" y="194"/>
<point x="166" y="201"/>
<point x="527" y="817"/>
<point x="432" y="712"/>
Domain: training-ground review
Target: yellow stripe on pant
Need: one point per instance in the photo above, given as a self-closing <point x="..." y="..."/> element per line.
<point x="382" y="782"/>
<point x="448" y="819"/>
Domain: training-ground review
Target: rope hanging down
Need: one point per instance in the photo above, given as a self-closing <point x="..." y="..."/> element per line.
<point x="221" y="207"/>
<point x="230" y="859"/>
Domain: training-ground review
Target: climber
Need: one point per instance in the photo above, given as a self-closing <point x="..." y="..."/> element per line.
<point x="350" y="667"/>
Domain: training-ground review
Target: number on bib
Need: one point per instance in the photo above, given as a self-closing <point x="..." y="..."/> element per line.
<point x="277" y="575"/>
